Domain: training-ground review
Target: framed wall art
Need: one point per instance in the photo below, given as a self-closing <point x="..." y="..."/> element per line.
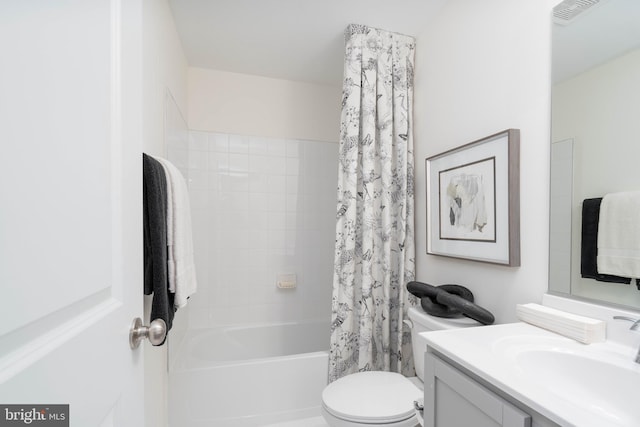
<point x="473" y="200"/>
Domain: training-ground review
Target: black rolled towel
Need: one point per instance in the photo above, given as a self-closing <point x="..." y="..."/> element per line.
<point x="467" y="308"/>
<point x="155" y="240"/>
<point x="431" y="306"/>
<point x="428" y="298"/>
<point x="420" y="289"/>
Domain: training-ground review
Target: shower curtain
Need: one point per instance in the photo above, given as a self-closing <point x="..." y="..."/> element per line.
<point x="374" y="253"/>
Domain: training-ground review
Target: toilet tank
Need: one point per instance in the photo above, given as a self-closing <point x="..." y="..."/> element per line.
<point x="422" y="322"/>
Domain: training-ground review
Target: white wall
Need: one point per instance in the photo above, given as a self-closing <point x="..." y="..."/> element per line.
<point x="599" y="110"/>
<point x="251" y="105"/>
<point x="482" y="67"/>
<point x="164" y="68"/>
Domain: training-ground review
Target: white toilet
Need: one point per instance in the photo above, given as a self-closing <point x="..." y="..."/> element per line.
<point x="385" y="399"/>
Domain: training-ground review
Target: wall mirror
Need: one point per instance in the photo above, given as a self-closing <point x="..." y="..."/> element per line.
<point x="595" y="142"/>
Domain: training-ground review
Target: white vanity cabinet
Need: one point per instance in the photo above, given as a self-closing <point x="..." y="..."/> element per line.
<point x="453" y="399"/>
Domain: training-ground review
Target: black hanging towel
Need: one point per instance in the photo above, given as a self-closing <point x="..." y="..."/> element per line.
<point x="589" y="244"/>
<point x="155" y="240"/>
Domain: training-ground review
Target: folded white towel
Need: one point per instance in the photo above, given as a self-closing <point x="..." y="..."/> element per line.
<point x="580" y="328"/>
<point x="619" y="235"/>
<point x="181" y="265"/>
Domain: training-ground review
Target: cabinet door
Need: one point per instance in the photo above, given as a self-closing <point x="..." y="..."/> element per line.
<point x="451" y="399"/>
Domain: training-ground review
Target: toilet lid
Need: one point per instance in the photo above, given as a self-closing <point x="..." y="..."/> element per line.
<point x="371" y="397"/>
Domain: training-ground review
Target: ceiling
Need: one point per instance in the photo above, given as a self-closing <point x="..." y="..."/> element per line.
<point x="600" y="34"/>
<point x="300" y="40"/>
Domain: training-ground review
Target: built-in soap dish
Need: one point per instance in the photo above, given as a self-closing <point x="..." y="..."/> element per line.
<point x="286" y="281"/>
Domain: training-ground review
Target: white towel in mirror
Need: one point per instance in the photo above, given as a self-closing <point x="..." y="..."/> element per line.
<point x="619" y="235"/>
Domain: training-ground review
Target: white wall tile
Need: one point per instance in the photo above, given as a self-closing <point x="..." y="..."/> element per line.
<point x="199" y="160"/>
<point x="257" y="145"/>
<point x="231" y="202"/>
<point x="198" y="179"/>
<point x="291" y="238"/>
<point x="238" y="144"/>
<point x="291" y="184"/>
<point x="276" y="184"/>
<point x="277" y="202"/>
<point x="258" y="183"/>
<point x="232" y="182"/>
<point x="218" y="142"/>
<point x="258" y="221"/>
<point x="258" y="202"/>
<point x="233" y="220"/>
<point x="218" y="160"/>
<point x="277" y="147"/>
<point x="259" y="257"/>
<point x="277" y="220"/>
<point x="198" y="141"/>
<point x="276" y="239"/>
<point x="291" y="203"/>
<point x="179" y="157"/>
<point x="214" y="181"/>
<point x="238" y="163"/>
<point x="292" y="166"/>
<point x="293" y="148"/>
<point x="253" y="205"/>
<point x="199" y="199"/>
<point x="214" y="197"/>
<point x="259" y="240"/>
<point x="275" y="165"/>
<point x="291" y="220"/>
<point x="259" y="164"/>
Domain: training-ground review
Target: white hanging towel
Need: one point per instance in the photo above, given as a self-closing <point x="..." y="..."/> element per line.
<point x="181" y="265"/>
<point x="171" y="271"/>
<point x="619" y="235"/>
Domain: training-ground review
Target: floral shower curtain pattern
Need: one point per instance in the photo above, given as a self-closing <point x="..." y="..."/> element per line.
<point x="375" y="254"/>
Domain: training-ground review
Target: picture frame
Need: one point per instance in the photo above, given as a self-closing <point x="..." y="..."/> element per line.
<point x="473" y="200"/>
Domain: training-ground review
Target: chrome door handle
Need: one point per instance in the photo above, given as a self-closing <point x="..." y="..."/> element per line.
<point x="155" y="332"/>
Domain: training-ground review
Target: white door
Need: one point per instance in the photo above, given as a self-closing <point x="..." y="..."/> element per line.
<point x="71" y="208"/>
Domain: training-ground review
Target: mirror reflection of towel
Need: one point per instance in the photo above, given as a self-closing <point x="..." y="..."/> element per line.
<point x="619" y="234"/>
<point x="589" y="244"/>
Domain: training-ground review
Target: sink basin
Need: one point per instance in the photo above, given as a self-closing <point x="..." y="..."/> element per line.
<point x="570" y="383"/>
<point x="596" y="385"/>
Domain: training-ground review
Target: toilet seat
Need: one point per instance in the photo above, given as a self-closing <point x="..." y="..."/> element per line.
<point x="371" y="398"/>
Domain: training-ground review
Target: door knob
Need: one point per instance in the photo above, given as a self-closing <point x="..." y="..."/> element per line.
<point x="155" y="332"/>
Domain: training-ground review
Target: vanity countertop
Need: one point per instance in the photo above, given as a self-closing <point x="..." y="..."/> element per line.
<point x="570" y="383"/>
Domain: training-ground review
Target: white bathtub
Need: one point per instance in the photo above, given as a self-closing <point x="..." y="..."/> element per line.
<point x="249" y="376"/>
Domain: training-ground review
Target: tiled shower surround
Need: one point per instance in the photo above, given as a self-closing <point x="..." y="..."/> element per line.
<point x="261" y="207"/>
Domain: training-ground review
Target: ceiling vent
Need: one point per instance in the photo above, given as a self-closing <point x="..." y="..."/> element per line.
<point x="568" y="10"/>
